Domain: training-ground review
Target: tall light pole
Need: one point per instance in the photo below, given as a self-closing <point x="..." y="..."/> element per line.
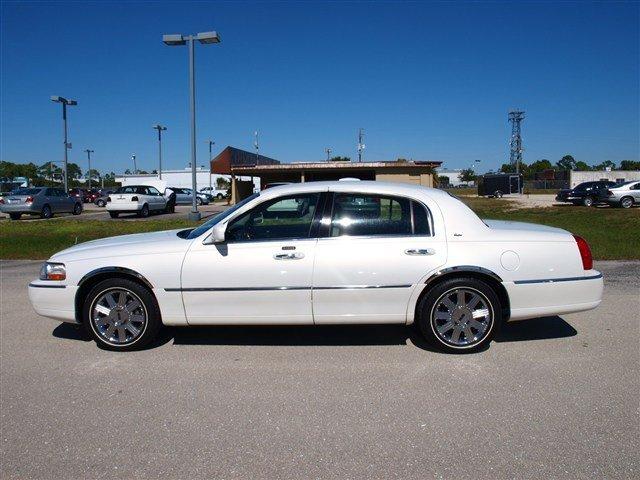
<point x="67" y="145"/>
<point x="361" y="145"/>
<point x="160" y="129"/>
<point x="89" y="152"/>
<point x="135" y="168"/>
<point x="211" y="143"/>
<point x="257" y="146"/>
<point x="175" y="40"/>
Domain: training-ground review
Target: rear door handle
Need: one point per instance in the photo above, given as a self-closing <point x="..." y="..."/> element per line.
<point x="420" y="251"/>
<point x="289" y="256"/>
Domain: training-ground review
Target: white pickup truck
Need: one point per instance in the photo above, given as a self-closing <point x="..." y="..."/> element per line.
<point x="139" y="199"/>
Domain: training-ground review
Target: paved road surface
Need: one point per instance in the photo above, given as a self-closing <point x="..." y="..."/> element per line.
<point x="555" y="398"/>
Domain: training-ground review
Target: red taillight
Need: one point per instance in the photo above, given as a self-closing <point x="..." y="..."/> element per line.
<point x="29" y="199"/>
<point x="585" y="252"/>
<point x="1" y="200"/>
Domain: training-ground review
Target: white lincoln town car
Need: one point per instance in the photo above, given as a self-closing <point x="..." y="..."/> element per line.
<point x="344" y="252"/>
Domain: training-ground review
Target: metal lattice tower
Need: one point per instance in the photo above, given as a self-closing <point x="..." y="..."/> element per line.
<point x="516" y="117"/>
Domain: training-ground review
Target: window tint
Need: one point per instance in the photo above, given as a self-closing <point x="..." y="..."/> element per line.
<point x="420" y="220"/>
<point x="358" y="214"/>
<point x="153" y="191"/>
<point x="280" y="218"/>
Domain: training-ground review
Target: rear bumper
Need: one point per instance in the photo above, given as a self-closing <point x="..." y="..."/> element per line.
<point x="541" y="298"/>
<point x="124" y="207"/>
<point x="53" y="301"/>
<point x="18" y="208"/>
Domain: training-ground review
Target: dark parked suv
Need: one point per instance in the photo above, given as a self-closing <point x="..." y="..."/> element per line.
<point x="587" y="193"/>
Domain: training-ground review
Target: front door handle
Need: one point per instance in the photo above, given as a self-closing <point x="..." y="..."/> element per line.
<point x="420" y="251"/>
<point x="289" y="256"/>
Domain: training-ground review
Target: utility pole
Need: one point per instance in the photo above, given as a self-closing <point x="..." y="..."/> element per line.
<point x="361" y="145"/>
<point x="160" y="129"/>
<point x="89" y="152"/>
<point x="328" y="150"/>
<point x="516" y="117"/>
<point x="135" y="168"/>
<point x="67" y="144"/>
<point x="211" y="143"/>
<point x="255" y="144"/>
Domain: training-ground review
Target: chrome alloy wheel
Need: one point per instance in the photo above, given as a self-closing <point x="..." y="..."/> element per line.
<point x="118" y="316"/>
<point x="462" y="317"/>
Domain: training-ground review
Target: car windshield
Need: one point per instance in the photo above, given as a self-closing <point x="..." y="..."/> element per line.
<point x="196" y="232"/>
<point x="27" y="191"/>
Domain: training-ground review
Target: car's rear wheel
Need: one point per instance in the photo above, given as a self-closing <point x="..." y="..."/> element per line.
<point x="121" y="314"/>
<point x="15" y="216"/>
<point x="219" y="196"/>
<point x="460" y="315"/>
<point x="587" y="201"/>
<point x="497" y="194"/>
<point x="46" y="212"/>
<point x="144" y="213"/>
<point x="113" y="214"/>
<point x="626" y="202"/>
<point x="198" y="201"/>
<point x="77" y="209"/>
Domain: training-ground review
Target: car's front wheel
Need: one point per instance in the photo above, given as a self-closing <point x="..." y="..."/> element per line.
<point x="626" y="202"/>
<point x="100" y="202"/>
<point x="77" y="209"/>
<point x="113" y="214"/>
<point x="460" y="315"/>
<point x="587" y="201"/>
<point x="121" y="315"/>
<point x="497" y="194"/>
<point x="15" y="216"/>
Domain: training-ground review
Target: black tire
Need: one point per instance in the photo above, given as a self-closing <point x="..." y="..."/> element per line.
<point x="46" y="212"/>
<point x="219" y="196"/>
<point x="428" y="310"/>
<point x="100" y="202"/>
<point x="15" y="216"/>
<point x="588" y="201"/>
<point x="626" y="202"/>
<point x="113" y="214"/>
<point x="144" y="213"/>
<point x="149" y="330"/>
<point x="498" y="194"/>
<point x="198" y="201"/>
<point x="77" y="209"/>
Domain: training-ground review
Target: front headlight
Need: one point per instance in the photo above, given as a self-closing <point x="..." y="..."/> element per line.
<point x="53" y="271"/>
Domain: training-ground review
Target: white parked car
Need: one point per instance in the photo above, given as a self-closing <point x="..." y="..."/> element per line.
<point x="337" y="253"/>
<point x="218" y="193"/>
<point x="139" y="199"/>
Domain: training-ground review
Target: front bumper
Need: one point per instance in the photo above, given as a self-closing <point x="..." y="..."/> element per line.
<point x="542" y="298"/>
<point x="50" y="299"/>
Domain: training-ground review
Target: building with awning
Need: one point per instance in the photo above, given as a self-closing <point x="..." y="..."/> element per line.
<point x="239" y="163"/>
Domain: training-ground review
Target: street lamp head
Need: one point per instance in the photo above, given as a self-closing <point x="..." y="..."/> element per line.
<point x="208" y="37"/>
<point x="58" y="99"/>
<point x="159" y="127"/>
<point x="173" y="40"/>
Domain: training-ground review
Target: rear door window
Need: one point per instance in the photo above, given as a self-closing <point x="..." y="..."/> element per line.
<point x="356" y="214"/>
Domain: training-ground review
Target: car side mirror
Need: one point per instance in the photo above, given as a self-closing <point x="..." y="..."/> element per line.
<point x="217" y="234"/>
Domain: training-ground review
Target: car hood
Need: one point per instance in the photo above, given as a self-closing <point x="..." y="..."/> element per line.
<point x="137" y="244"/>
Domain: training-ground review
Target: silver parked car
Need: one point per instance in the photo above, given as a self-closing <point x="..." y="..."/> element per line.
<point x="624" y="195"/>
<point x="43" y="201"/>
<point x="185" y="197"/>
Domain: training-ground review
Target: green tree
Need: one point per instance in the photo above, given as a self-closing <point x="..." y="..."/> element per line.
<point x="582" y="166"/>
<point x="629" y="165"/>
<point x="467" y="175"/>
<point x="74" y="171"/>
<point x="567" y="163"/>
<point x="444" y="181"/>
<point x="340" y="159"/>
<point x="604" y="165"/>
<point x="222" y="183"/>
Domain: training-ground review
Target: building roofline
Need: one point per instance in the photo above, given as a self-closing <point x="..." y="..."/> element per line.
<point x="341" y="165"/>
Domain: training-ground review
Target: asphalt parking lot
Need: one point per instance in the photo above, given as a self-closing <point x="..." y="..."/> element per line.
<point x="553" y="398"/>
<point x="93" y="212"/>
